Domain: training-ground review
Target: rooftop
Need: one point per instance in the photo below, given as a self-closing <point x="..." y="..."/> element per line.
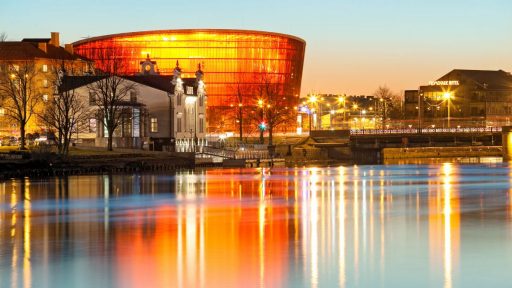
<point x="28" y="50"/>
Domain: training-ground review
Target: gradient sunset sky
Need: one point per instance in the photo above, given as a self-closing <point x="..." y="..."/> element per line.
<point x="353" y="46"/>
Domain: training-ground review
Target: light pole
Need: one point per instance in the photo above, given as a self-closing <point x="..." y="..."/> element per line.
<point x="313" y="100"/>
<point x="261" y="125"/>
<point x="333" y="112"/>
<point x="342" y="100"/>
<point x="363" y="117"/>
<point x="448" y="96"/>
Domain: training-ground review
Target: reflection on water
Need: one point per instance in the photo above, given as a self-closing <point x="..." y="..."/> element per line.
<point x="442" y="225"/>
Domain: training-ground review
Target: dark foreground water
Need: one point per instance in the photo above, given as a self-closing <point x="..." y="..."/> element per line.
<point x="440" y="225"/>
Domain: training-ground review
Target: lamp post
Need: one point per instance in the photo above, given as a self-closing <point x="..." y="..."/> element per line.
<point x="333" y="112"/>
<point x="448" y="96"/>
<point x="362" y="115"/>
<point x="260" y="104"/>
<point x="313" y="100"/>
<point x="342" y="100"/>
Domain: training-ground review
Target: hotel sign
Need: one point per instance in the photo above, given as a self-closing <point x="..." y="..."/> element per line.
<point x="444" y="83"/>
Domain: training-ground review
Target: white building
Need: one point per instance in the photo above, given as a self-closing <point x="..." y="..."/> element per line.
<point x="159" y="112"/>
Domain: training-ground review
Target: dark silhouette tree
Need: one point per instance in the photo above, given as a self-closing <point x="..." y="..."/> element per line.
<point x="110" y="90"/>
<point x="67" y="111"/>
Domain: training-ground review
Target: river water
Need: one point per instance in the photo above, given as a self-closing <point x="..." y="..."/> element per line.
<point x="440" y="225"/>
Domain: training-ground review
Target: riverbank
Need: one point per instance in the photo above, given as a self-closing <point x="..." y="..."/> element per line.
<point x="90" y="161"/>
<point x="441" y="152"/>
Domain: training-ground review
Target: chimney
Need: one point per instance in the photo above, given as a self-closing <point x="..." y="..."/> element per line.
<point x="55" y="39"/>
<point x="42" y="46"/>
<point x="69" y="48"/>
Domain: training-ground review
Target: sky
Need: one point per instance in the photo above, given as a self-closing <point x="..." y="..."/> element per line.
<point x="353" y="46"/>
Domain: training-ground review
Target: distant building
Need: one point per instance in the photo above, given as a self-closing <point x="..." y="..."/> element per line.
<point x="47" y="56"/>
<point x="476" y="98"/>
<point x="162" y="112"/>
<point x="333" y="111"/>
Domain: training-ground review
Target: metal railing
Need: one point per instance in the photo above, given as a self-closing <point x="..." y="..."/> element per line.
<point x="425" y="130"/>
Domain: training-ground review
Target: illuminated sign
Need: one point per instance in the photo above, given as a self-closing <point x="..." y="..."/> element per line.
<point x="444" y="83"/>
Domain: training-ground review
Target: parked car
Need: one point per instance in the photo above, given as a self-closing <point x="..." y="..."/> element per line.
<point x="45" y="139"/>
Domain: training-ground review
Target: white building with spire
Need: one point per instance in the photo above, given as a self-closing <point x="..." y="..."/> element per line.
<point x="161" y="112"/>
<point x="189" y="109"/>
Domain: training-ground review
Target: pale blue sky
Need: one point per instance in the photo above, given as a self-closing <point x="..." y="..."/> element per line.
<point x="352" y="46"/>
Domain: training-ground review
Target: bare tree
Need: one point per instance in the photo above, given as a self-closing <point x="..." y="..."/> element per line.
<point x="239" y="112"/>
<point x="67" y="112"/>
<point x="110" y="91"/>
<point x="3" y="37"/>
<point x="20" y="94"/>
<point x="276" y="106"/>
<point x="389" y="103"/>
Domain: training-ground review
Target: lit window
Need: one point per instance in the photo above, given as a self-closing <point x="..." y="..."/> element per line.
<point x="2" y="111"/>
<point x="45" y="83"/>
<point x="190" y="90"/>
<point x="45" y="97"/>
<point x="45" y="68"/>
<point x="92" y="125"/>
<point x="16" y="67"/>
<point x="154" y="125"/>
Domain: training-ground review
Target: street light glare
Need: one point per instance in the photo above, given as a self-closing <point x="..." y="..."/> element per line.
<point x="447" y="95"/>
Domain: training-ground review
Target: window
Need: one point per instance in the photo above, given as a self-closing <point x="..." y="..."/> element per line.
<point x="178" y="124"/>
<point x="178" y="99"/>
<point x="201" y="101"/>
<point x="201" y="123"/>
<point x="92" y="125"/>
<point x="45" y="83"/>
<point x="2" y="111"/>
<point x="45" y="97"/>
<point x="154" y="125"/>
<point x="45" y="68"/>
<point x="190" y="90"/>
<point x="92" y="98"/>
<point x="133" y="96"/>
<point x="16" y="67"/>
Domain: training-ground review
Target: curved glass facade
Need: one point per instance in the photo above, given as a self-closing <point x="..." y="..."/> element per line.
<point x="232" y="60"/>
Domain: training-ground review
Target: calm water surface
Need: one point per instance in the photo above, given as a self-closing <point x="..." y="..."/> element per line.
<point x="441" y="225"/>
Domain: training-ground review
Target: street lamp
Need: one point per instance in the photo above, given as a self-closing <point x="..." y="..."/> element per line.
<point x="260" y="104"/>
<point x="333" y="112"/>
<point x="313" y="99"/>
<point x="448" y="96"/>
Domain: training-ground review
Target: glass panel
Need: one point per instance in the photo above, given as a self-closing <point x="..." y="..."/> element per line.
<point x="227" y="57"/>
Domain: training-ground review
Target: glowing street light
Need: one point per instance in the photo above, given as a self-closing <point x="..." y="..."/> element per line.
<point x="448" y="96"/>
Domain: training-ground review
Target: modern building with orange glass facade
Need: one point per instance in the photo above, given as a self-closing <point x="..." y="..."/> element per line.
<point x="230" y="59"/>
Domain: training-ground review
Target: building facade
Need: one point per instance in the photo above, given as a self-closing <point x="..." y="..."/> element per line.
<point x="462" y="98"/>
<point x="236" y="62"/>
<point x="158" y="112"/>
<point x="47" y="58"/>
<point x="333" y="111"/>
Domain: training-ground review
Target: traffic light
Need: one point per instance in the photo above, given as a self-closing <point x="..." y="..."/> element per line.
<point x="263" y="126"/>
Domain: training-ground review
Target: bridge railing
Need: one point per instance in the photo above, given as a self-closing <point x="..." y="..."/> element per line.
<point x="425" y="130"/>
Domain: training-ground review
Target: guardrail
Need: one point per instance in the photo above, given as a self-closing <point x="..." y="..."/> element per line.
<point x="424" y="131"/>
